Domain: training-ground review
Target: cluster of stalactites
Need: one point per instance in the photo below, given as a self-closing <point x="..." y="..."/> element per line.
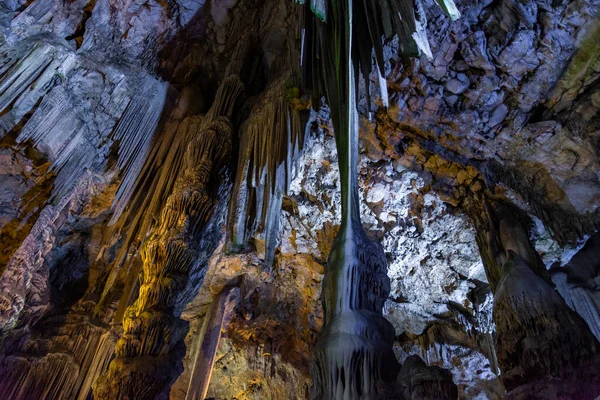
<point x="43" y="79"/>
<point x="65" y="363"/>
<point x="370" y="22"/>
<point x="152" y="328"/>
<point x="270" y="143"/>
<point x="169" y="255"/>
<point x="145" y="188"/>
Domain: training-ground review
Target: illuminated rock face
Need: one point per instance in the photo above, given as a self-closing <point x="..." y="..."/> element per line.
<point x="105" y="149"/>
<point x="148" y="354"/>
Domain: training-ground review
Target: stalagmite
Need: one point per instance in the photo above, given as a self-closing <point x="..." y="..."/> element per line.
<point x="208" y="344"/>
<point x="353" y="355"/>
<point x="540" y="341"/>
<point x="148" y="354"/>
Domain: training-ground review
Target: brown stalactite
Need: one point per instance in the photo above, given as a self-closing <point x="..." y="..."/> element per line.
<point x="148" y="354"/>
<point x="271" y="140"/>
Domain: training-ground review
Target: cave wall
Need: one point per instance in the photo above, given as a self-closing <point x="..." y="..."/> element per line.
<point x="506" y="107"/>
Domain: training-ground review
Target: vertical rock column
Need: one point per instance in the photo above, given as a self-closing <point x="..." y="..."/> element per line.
<point x="544" y="349"/>
<point x="354" y="352"/>
<point x="149" y="353"/>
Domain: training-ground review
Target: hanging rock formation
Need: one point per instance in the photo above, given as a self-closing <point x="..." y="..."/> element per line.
<point x="532" y="321"/>
<point x="353" y="355"/>
<point x="531" y="318"/>
<point x="148" y="353"/>
<point x="271" y="141"/>
<point x="112" y="198"/>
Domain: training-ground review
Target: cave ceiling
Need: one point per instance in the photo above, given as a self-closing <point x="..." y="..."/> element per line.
<point x="277" y="199"/>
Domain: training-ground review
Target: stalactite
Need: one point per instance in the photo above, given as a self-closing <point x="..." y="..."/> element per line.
<point x="51" y="377"/>
<point x="73" y="146"/>
<point x="37" y="77"/>
<point x="134" y="134"/>
<point x="101" y="358"/>
<point x="148" y="353"/>
<point x="354" y="352"/>
<point x="28" y="77"/>
<point x="372" y="20"/>
<point x="208" y="344"/>
<point x="60" y="363"/>
<point x="270" y="143"/>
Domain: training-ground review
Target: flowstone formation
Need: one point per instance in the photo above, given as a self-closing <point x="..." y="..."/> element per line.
<point x="251" y="199"/>
<point x="353" y="356"/>
<point x="174" y="257"/>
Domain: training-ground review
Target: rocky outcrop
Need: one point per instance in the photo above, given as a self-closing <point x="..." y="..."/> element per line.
<point x="501" y="122"/>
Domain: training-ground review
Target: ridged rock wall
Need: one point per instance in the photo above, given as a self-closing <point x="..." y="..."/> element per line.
<point x="91" y="99"/>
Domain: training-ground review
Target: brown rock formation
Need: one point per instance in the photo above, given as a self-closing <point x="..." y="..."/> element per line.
<point x="148" y="355"/>
<point x="502" y="122"/>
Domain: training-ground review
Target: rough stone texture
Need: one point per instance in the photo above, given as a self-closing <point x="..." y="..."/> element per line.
<point x="22" y="196"/>
<point x="432" y="255"/>
<point x="510" y="122"/>
<point x="24" y="282"/>
<point x="508" y="106"/>
<point x="421" y="382"/>
<point x="261" y="355"/>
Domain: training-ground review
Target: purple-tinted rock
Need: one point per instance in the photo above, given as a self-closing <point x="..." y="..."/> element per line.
<point x="458" y="84"/>
<point x="498" y="115"/>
